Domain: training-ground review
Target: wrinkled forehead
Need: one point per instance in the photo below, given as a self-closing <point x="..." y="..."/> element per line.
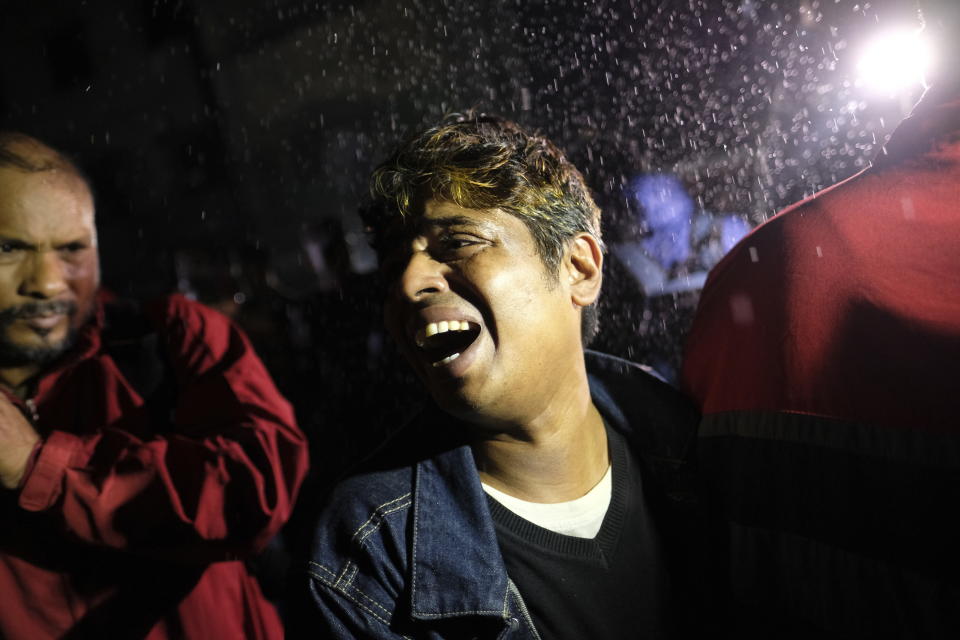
<point x="434" y="215"/>
<point x="54" y="197"/>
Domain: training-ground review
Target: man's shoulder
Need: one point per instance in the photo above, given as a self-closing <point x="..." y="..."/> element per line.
<point x="190" y="327"/>
<point x="366" y="492"/>
<point x="360" y="547"/>
<point x="801" y="234"/>
<point x="177" y="308"/>
<point x="127" y="318"/>
<point x="629" y="392"/>
<point x="377" y="493"/>
<point x="608" y="366"/>
<point x="371" y="505"/>
<point x="659" y="422"/>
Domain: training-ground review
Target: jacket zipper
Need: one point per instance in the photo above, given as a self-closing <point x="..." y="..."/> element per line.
<point x="27" y="407"/>
<point x="31" y="405"/>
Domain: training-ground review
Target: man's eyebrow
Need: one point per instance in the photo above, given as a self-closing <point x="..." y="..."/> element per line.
<point x="4" y="239"/>
<point x="449" y="221"/>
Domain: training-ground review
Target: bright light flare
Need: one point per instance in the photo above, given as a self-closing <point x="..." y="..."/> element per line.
<point x="895" y="61"/>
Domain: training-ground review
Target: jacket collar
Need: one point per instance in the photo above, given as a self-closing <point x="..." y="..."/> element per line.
<point x="457" y="567"/>
<point x="456" y="562"/>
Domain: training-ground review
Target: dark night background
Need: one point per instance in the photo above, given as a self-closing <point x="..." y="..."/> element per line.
<point x="229" y="144"/>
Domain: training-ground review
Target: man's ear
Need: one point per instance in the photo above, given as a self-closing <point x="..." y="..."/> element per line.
<point x="583" y="264"/>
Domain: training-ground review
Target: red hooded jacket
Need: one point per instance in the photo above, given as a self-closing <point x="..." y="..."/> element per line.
<point x="127" y="525"/>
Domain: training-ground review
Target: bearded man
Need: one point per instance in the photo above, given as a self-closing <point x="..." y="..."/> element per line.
<point x="144" y="451"/>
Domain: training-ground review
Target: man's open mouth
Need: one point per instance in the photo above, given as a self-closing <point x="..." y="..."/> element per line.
<point x="443" y="342"/>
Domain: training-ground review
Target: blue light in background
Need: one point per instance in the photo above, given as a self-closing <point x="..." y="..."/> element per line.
<point x="681" y="242"/>
<point x="667" y="212"/>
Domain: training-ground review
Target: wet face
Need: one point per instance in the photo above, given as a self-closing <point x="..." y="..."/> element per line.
<point x="490" y="332"/>
<point x="49" y="271"/>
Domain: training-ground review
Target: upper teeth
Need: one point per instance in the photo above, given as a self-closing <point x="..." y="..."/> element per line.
<point x="443" y="326"/>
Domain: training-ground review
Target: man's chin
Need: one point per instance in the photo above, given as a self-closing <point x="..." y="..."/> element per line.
<point x="39" y="351"/>
<point x="457" y="402"/>
<point x="37" y="334"/>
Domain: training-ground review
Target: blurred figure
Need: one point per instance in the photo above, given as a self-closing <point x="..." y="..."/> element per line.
<point x="657" y="268"/>
<point x="681" y="242"/>
<point x="144" y="451"/>
<point x="824" y="357"/>
<point x="540" y="495"/>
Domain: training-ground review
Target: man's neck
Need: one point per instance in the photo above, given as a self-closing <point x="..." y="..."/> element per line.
<point x="558" y="457"/>
<point x="18" y="379"/>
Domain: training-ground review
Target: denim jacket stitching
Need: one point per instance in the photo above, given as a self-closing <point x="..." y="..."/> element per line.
<point x="343" y="583"/>
<point x="342" y="577"/>
<point x="350" y="594"/>
<point x="319" y="566"/>
<point x="376" y="518"/>
<point x="343" y="587"/>
<point x="454" y="614"/>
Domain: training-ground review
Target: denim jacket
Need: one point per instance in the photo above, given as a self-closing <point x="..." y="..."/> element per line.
<point x="407" y="548"/>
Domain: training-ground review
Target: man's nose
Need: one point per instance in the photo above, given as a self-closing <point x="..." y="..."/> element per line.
<point x="44" y="276"/>
<point x="422" y="276"/>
